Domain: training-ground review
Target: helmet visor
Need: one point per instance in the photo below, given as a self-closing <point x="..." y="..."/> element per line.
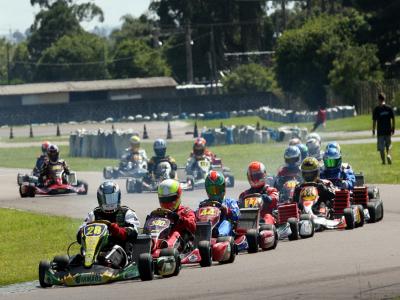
<point x="168" y="199"/>
<point x="111" y="199"/>
<point x="292" y="160"/>
<point x="331" y="162"/>
<point x="215" y="190"/>
<point x="310" y="176"/>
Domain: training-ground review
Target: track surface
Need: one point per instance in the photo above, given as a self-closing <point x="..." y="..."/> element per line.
<point x="358" y="264"/>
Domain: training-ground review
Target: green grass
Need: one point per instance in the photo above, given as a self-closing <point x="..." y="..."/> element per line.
<point x="28" y="238"/>
<point x="23" y="139"/>
<point x="358" y="123"/>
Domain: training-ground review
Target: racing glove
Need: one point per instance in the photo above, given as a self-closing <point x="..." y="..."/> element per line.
<point x="174" y="217"/>
<point x="225" y="210"/>
<point x="266" y="198"/>
<point x="118" y="231"/>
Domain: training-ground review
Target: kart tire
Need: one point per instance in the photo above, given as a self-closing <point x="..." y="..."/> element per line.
<point x="139" y="186"/>
<point x="233" y="248"/>
<point x="115" y="173"/>
<point x="146" y="267"/>
<point x="175" y="254"/>
<point x="375" y="209"/>
<point x="252" y="240"/>
<point x="62" y="261"/>
<point x="130" y="185"/>
<point x="107" y="173"/>
<point x="362" y="216"/>
<point x="23" y="195"/>
<point x="372" y="194"/>
<point x="44" y="265"/>
<point x="205" y="253"/>
<point x="79" y="182"/>
<point x="307" y="217"/>
<point x="294" y="227"/>
<point x="349" y="216"/>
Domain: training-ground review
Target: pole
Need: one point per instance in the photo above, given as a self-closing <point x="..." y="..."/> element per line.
<point x="189" y="58"/>
<point x="213" y="56"/>
<point x="8" y="63"/>
<point x="283" y="8"/>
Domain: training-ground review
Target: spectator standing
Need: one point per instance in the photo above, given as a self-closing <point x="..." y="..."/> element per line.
<point x="384" y="123"/>
<point x="321" y="118"/>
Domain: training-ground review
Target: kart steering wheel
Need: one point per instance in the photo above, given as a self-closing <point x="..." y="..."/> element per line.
<point x="254" y="195"/>
<point x="160" y="212"/>
<point x="210" y="203"/>
<point x="105" y="222"/>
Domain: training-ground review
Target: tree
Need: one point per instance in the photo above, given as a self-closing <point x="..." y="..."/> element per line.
<point x="133" y="58"/>
<point x="22" y="67"/>
<point x="77" y="57"/>
<point x="134" y="28"/>
<point x="249" y="78"/>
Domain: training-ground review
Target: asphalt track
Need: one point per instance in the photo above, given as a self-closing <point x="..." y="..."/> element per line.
<point x="359" y="264"/>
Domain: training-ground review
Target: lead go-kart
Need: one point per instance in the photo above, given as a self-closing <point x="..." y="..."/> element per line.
<point x="61" y="183"/>
<point x="136" y="168"/>
<point x="90" y="266"/>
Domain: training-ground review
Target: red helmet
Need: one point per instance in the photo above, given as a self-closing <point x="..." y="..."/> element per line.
<point x="257" y="174"/>
<point x="199" y="146"/>
<point x="45" y="145"/>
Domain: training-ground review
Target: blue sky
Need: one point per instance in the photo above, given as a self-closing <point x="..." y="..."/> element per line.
<point x="19" y="14"/>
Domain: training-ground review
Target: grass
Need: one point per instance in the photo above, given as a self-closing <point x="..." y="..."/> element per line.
<point x="358" y="123"/>
<point x="23" y="139"/>
<point x="28" y="238"/>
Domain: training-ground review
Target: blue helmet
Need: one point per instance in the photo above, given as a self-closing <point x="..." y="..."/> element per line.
<point x="332" y="158"/>
<point x="160" y="147"/>
<point x="292" y="156"/>
<point x="303" y="150"/>
<point x="333" y="145"/>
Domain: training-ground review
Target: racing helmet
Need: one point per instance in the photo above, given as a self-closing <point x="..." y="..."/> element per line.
<point x="314" y="135"/>
<point x="332" y="158"/>
<point x="314" y="147"/>
<point x="169" y="194"/>
<point x="160" y="147"/>
<point x="45" y="145"/>
<point x="134" y="141"/>
<point x="294" y="141"/>
<point x="292" y="156"/>
<point x="215" y="186"/>
<point x="199" y="147"/>
<point x="303" y="150"/>
<point x="53" y="153"/>
<point x="310" y="169"/>
<point x="109" y="196"/>
<point x="333" y="145"/>
<point x="256" y="174"/>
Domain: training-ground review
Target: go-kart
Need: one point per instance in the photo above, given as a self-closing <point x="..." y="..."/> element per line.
<point x="341" y="214"/>
<point x="91" y="265"/>
<point x="147" y="182"/>
<point x="136" y="168"/>
<point x="166" y="243"/>
<point x="251" y="233"/>
<point x="60" y="183"/>
<point x="212" y="247"/>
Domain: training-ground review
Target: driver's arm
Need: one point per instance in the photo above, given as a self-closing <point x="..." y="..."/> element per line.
<point x="66" y="168"/>
<point x="90" y="218"/>
<point x="188" y="220"/>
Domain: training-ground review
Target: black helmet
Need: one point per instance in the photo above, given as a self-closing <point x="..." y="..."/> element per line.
<point x="53" y="153"/>
<point x="109" y="196"/>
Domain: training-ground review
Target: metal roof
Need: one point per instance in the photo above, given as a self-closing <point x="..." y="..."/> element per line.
<point x="85" y="86"/>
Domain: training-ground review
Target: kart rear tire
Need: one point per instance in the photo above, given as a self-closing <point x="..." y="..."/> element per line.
<point x="44" y="265"/>
<point x="233" y="248"/>
<point x="349" y="217"/>
<point x="23" y="195"/>
<point x="79" y="182"/>
<point x="252" y="240"/>
<point x="375" y="209"/>
<point x="139" y="186"/>
<point x="205" y="253"/>
<point x="307" y="217"/>
<point x="62" y="261"/>
<point x="146" y="267"/>
<point x="175" y="254"/>
<point x="294" y="228"/>
<point x="362" y="216"/>
<point x="130" y="185"/>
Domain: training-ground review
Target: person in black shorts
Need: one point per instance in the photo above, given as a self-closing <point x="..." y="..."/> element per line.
<point x="383" y="121"/>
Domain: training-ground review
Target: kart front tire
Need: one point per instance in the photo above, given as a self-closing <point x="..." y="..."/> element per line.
<point x="85" y="185"/>
<point x="205" y="253"/>
<point x="252" y="241"/>
<point x="349" y="216"/>
<point x="233" y="248"/>
<point x="62" y="261"/>
<point x="175" y="254"/>
<point x="375" y="209"/>
<point x="294" y="228"/>
<point x="107" y="173"/>
<point x="44" y="266"/>
<point x="146" y="267"/>
<point x="307" y="217"/>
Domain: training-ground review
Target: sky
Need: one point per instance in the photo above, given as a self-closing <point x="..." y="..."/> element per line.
<point x="19" y="14"/>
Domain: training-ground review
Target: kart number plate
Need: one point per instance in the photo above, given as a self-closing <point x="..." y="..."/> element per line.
<point x="204" y="164"/>
<point x="94" y="230"/>
<point x="251" y="202"/>
<point x="158" y="223"/>
<point x="309" y="193"/>
<point x="209" y="211"/>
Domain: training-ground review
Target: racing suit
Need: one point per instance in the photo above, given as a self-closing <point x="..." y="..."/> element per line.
<point x="229" y="216"/>
<point x="155" y="160"/>
<point x="207" y="153"/>
<point x="326" y="192"/>
<point x="49" y="170"/>
<point x="270" y="196"/>
<point x="342" y="177"/>
<point x="187" y="221"/>
<point x="132" y="156"/>
<point x="123" y="232"/>
<point x="39" y="164"/>
<point x="192" y="163"/>
<point x="287" y="173"/>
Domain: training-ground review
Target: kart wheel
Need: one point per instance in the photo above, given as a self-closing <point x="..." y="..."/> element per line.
<point x="130" y="185"/>
<point x="31" y="192"/>
<point x="233" y="248"/>
<point x="294" y="228"/>
<point x="252" y="240"/>
<point x="375" y="209"/>
<point x="146" y="267"/>
<point x="44" y="266"/>
<point x="175" y="254"/>
<point x="362" y="216"/>
<point x="86" y="186"/>
<point x="107" y="173"/>
<point x="349" y="216"/>
<point x="307" y="217"/>
<point x="205" y="253"/>
<point x="138" y="186"/>
<point x="62" y="261"/>
<point x="23" y="195"/>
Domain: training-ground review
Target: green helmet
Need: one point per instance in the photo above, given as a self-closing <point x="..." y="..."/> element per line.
<point x="215" y="186"/>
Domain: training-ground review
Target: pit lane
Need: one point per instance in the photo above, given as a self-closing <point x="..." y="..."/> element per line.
<point x="359" y="264"/>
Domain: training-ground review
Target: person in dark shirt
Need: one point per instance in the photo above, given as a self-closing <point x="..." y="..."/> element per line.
<point x="383" y="121"/>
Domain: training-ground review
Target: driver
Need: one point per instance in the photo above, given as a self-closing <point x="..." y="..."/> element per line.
<point x="53" y="165"/>
<point x="41" y="159"/>
<point x="160" y="149"/>
<point x="134" y="153"/>
<point x="310" y="174"/>
<point x="215" y="188"/>
<point x="123" y="227"/>
<point x="341" y="176"/>
<point x="257" y="177"/>
<point x="200" y="152"/>
<point x="291" y="169"/>
<point x="184" y="219"/>
<point x="314" y="146"/>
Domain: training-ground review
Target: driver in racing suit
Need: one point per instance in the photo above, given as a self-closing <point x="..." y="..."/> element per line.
<point x="123" y="225"/>
<point x="199" y="153"/>
<point x="291" y="169"/>
<point x="160" y="149"/>
<point x="134" y="153"/>
<point x="257" y="177"/>
<point x="53" y="165"/>
<point x="230" y="212"/>
<point x="41" y="159"/>
<point x="310" y="172"/>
